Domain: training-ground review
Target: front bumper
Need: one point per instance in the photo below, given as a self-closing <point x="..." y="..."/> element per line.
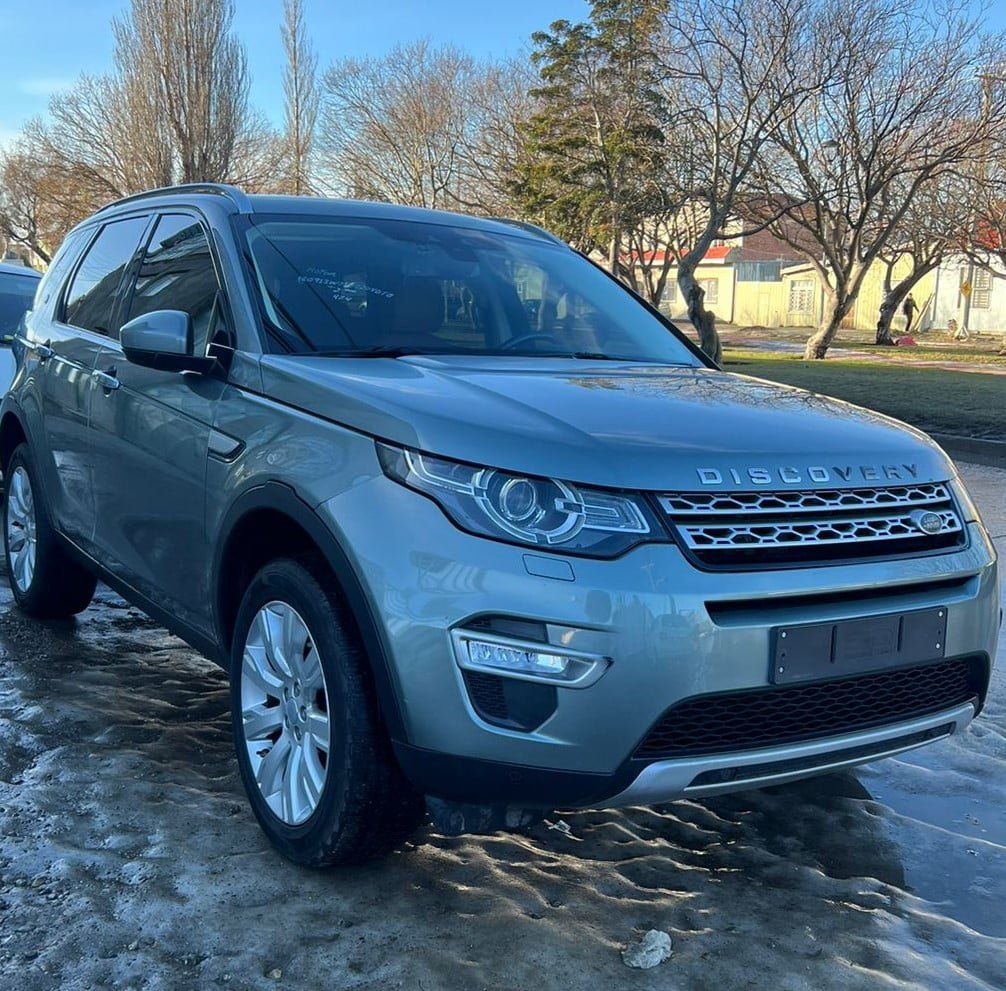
<point x="671" y="632"/>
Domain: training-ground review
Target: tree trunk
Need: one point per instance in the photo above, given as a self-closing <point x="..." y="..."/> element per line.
<point x="702" y="319"/>
<point x="615" y="246"/>
<point x="827" y="331"/>
<point x="888" y="307"/>
<point x="893" y="300"/>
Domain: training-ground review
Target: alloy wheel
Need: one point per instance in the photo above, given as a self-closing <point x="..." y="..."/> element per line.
<point x="22" y="537"/>
<point x="285" y="712"/>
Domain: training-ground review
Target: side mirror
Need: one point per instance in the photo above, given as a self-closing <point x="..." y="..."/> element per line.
<point x="162" y="339"/>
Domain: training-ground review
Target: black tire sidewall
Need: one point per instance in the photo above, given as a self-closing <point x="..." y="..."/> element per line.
<point x="27" y="598"/>
<point x="60" y="587"/>
<point x="290" y="582"/>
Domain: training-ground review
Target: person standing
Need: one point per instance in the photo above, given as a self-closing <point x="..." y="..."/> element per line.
<point x="910" y="308"/>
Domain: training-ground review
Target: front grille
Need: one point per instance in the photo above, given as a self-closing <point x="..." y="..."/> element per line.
<point x="755" y="529"/>
<point x="765" y="717"/>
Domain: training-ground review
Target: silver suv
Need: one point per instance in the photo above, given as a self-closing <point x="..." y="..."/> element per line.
<point x="475" y="531"/>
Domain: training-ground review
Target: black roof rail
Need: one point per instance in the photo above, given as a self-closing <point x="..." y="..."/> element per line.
<point x="237" y="196"/>
<point x="530" y="229"/>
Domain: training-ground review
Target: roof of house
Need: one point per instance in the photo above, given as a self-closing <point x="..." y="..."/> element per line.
<point x="718" y="254"/>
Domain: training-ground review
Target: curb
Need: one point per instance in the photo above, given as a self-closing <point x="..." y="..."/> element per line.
<point x="973" y="449"/>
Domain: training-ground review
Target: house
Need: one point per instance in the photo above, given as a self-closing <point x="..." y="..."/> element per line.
<point x="797" y="299"/>
<point x="746" y="281"/>
<point x="983" y="309"/>
<point x="759" y="280"/>
<point x="715" y="275"/>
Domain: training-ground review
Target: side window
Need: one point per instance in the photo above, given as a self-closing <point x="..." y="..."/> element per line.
<point x="91" y="296"/>
<point x="67" y="254"/>
<point x="177" y="274"/>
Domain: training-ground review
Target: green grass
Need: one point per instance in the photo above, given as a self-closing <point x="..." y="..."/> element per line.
<point x="973" y="356"/>
<point x="967" y="403"/>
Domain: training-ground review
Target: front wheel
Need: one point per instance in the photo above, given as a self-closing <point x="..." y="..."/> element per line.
<point x="313" y="755"/>
<point x="47" y="583"/>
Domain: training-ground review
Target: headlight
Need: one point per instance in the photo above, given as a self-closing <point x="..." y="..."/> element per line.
<point x="966" y="503"/>
<point x="541" y="512"/>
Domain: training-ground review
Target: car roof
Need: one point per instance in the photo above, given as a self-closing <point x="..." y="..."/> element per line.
<point x="235" y="200"/>
<point x="7" y="269"/>
<point x="317" y="206"/>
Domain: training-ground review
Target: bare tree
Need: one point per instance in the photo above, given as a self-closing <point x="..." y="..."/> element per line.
<point x="23" y="201"/>
<point x="907" y="110"/>
<point x="174" y="109"/>
<point x="394" y="127"/>
<point x="934" y="226"/>
<point x="105" y="139"/>
<point x="735" y="72"/>
<point x="188" y="69"/>
<point x="659" y="237"/>
<point x="302" y="98"/>
<point x="984" y="247"/>
<point x="499" y="102"/>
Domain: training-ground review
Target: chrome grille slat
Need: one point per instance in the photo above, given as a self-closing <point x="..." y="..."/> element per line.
<point x="815" y="526"/>
<point x="832" y="531"/>
<point x="825" y="500"/>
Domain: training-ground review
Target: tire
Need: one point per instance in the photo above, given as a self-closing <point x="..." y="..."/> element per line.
<point x="47" y="583"/>
<point x="285" y="704"/>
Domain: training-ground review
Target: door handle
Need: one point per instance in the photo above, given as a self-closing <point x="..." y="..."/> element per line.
<point x="44" y="351"/>
<point x="106" y="379"/>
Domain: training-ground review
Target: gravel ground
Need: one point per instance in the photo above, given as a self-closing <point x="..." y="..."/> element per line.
<point x="128" y="858"/>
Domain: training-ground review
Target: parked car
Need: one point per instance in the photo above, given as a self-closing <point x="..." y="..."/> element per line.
<point x="17" y="290"/>
<point x="525" y="551"/>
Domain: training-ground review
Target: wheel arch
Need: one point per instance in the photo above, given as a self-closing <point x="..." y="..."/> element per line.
<point x="12" y="435"/>
<point x="271" y="521"/>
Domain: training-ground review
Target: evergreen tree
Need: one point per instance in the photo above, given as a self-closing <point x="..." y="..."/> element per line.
<point x="596" y="134"/>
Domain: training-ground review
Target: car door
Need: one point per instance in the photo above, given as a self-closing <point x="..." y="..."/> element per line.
<point x="150" y="432"/>
<point x="63" y="349"/>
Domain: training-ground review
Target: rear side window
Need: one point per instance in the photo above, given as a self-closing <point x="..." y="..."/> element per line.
<point x="68" y="253"/>
<point x="177" y="274"/>
<point x="91" y="296"/>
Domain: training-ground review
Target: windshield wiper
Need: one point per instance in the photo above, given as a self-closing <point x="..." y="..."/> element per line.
<point x="588" y="356"/>
<point x="381" y="351"/>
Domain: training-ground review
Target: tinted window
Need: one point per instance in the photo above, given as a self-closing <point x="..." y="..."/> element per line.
<point x="345" y="285"/>
<point x="16" y="295"/>
<point x="90" y="300"/>
<point x="177" y="274"/>
<point x="68" y="253"/>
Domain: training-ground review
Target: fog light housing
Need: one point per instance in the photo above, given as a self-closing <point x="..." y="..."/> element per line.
<point x="526" y="659"/>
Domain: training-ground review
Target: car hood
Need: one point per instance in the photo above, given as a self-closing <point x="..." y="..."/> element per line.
<point x="616" y="424"/>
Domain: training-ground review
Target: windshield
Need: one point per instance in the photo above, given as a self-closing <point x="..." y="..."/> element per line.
<point x="386" y="287"/>
<point x="17" y="293"/>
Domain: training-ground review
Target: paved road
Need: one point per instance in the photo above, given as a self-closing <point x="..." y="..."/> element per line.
<point x="128" y="858"/>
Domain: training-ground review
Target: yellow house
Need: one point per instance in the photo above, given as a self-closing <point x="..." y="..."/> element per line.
<point x="797" y="298"/>
<point x="717" y="278"/>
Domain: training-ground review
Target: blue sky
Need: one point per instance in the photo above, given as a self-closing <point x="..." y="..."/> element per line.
<point x="44" y="44"/>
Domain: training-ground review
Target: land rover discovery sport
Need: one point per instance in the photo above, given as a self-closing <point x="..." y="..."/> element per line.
<point x="475" y="531"/>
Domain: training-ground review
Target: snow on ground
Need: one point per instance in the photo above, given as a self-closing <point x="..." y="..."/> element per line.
<point x="128" y="857"/>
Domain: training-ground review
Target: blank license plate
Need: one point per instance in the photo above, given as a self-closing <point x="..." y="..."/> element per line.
<point x="853" y="646"/>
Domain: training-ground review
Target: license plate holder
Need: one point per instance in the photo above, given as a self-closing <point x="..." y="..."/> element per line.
<point x="814" y="651"/>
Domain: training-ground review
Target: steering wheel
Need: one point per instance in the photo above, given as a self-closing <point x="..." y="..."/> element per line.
<point x="515" y="342"/>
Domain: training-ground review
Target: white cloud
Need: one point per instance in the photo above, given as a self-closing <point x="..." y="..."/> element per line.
<point x="43" y="86"/>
